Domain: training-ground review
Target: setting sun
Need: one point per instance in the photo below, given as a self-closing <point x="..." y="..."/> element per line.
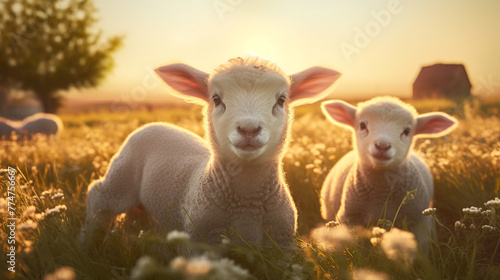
<point x="379" y="46"/>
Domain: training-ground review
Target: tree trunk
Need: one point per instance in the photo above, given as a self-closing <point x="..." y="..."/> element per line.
<point x="49" y="102"/>
<point x="4" y="97"/>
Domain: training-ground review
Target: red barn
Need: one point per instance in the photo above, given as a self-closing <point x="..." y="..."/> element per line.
<point x="448" y="81"/>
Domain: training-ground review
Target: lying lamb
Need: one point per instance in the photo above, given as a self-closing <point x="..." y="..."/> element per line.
<point x="40" y="123"/>
<point x="48" y="124"/>
<point x="376" y="176"/>
<point x="234" y="179"/>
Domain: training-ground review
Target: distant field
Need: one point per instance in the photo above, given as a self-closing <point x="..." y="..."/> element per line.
<point x="465" y="164"/>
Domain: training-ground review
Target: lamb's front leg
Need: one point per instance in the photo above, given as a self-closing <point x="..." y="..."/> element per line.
<point x="351" y="209"/>
<point x="424" y="230"/>
<point x="280" y="221"/>
<point x="247" y="226"/>
<point x="354" y="213"/>
<point x="281" y="230"/>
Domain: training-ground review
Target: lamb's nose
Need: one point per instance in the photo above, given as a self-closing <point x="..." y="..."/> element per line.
<point x="382" y="146"/>
<point x="249" y="131"/>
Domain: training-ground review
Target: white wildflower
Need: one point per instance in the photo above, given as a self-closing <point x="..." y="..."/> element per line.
<point x="207" y="268"/>
<point x="179" y="263"/>
<point x="51" y="211"/>
<point x="472" y="226"/>
<point x="488" y="228"/>
<point x="57" y="196"/>
<point x="57" y="209"/>
<point x="28" y="225"/>
<point x="40" y="216"/>
<point x="459" y="225"/>
<point x="487" y="213"/>
<point x="27" y="247"/>
<point x="143" y="267"/>
<point x="17" y="8"/>
<point x="140" y="233"/>
<point x="399" y="245"/>
<point x="377" y="234"/>
<point x="332" y="224"/>
<point x="62" y="5"/>
<point x="332" y="238"/>
<point x="198" y="266"/>
<point x="176" y="236"/>
<point x="62" y="273"/>
<point x="227" y="269"/>
<point x="429" y="212"/>
<point x="494" y="203"/>
<point x="309" y="166"/>
<point x="367" y="274"/>
<point x="472" y="211"/>
<point x="46" y="193"/>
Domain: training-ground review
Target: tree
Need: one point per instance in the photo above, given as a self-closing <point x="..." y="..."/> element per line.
<point x="49" y="46"/>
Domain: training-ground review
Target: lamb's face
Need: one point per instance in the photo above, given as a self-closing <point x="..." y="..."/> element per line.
<point x="383" y="134"/>
<point x="247" y="103"/>
<point x="384" y="128"/>
<point x="248" y="112"/>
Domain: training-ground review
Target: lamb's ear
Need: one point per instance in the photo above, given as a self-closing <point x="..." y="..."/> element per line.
<point x="339" y="112"/>
<point x="186" y="81"/>
<point x="311" y="85"/>
<point x="435" y="124"/>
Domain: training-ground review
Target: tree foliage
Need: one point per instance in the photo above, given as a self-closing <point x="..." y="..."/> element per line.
<point x="48" y="46"/>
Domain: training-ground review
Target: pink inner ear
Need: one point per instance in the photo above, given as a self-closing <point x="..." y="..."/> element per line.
<point x="340" y="112"/>
<point x="433" y="123"/>
<point x="185" y="80"/>
<point x="311" y="83"/>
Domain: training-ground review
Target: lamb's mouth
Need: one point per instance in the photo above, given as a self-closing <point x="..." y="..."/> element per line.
<point x="248" y="147"/>
<point x="381" y="157"/>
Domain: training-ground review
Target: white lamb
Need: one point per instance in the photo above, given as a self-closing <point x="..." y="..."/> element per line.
<point x="234" y="179"/>
<point x="40" y="123"/>
<point x="48" y="124"/>
<point x="376" y="176"/>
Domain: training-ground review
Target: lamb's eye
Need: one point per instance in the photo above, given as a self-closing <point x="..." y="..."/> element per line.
<point x="281" y="100"/>
<point x="217" y="100"/>
<point x="406" y="132"/>
<point x="362" y="125"/>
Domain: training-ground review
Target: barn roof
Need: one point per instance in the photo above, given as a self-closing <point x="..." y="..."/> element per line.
<point x="441" y="75"/>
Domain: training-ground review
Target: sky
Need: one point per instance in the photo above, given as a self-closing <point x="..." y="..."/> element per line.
<point x="378" y="45"/>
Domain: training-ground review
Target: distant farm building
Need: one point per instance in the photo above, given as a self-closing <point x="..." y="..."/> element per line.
<point x="448" y="81"/>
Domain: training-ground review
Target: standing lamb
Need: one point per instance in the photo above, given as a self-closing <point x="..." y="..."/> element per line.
<point x="376" y="176"/>
<point x="234" y="179"/>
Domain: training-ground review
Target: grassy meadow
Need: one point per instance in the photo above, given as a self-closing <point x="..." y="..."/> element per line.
<point x="52" y="178"/>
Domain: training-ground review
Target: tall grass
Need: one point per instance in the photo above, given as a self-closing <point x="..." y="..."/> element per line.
<point x="53" y="175"/>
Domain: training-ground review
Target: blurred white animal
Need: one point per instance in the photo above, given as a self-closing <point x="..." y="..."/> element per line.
<point x="41" y="123"/>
